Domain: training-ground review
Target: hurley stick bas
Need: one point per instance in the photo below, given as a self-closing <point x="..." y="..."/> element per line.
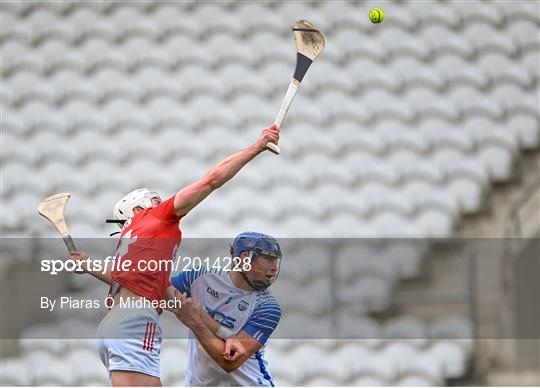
<point x="52" y="208"/>
<point x="309" y="44"/>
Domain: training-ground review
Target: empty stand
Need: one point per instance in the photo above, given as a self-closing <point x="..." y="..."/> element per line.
<point x="399" y="131"/>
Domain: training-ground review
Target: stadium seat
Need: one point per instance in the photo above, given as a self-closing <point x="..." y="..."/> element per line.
<point x="296" y="324"/>
<point x="78" y="333"/>
<point x="441" y="134"/>
<point x="25" y="212"/>
<point x="339" y="15"/>
<point x="354" y="260"/>
<point x="25" y="87"/>
<point x="485" y="131"/>
<point x="321" y="381"/>
<point x="308" y="357"/>
<point x="279" y="368"/>
<point x="406" y="254"/>
<point x="375" y="365"/>
<point x="173" y="362"/>
<point x="529" y="61"/>
<point x="380" y="197"/>
<point x="520" y="9"/>
<point x="65" y="81"/>
<point x="312" y="299"/>
<point x="499" y="66"/>
<point x="408" y="329"/>
<point x="423" y="194"/>
<point x="208" y="228"/>
<point x="358" y="328"/>
<point x="295" y="11"/>
<point x="345" y="225"/>
<point x="258" y="16"/>
<point x="275" y="49"/>
<point x="456" y="70"/>
<point x="413" y="380"/>
<point x="93" y="371"/>
<point x="15" y="373"/>
<point x="311" y="142"/>
<point x="327" y="193"/>
<point x="513" y="98"/>
<point x="484" y="38"/>
<point x="469" y="193"/>
<point x="307" y="262"/>
<point x="42" y="338"/>
<point x="498" y="161"/>
<point x="365" y="295"/>
<point x="300" y="226"/>
<point x="52" y="148"/>
<point x="526" y="129"/>
<point x="13" y="171"/>
<point x="368" y="381"/>
<point x="46" y="369"/>
<point x="435" y="223"/>
<point x="414" y="73"/>
<point x="167" y="16"/>
<point x="450" y="356"/>
<point x="481" y="13"/>
<point x="327" y="74"/>
<point x="388" y="224"/>
<point x="436" y="14"/>
<point x="398" y="355"/>
<point x="306" y="354"/>
<point x="397" y="136"/>
<point x="409" y="164"/>
<point x="425" y="366"/>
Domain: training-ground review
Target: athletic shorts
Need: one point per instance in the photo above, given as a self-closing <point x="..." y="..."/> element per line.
<point x="130" y="340"/>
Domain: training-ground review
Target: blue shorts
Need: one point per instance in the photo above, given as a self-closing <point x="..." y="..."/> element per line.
<point x="130" y="340"/>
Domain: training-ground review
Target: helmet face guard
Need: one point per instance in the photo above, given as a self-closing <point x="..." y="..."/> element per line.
<point x="260" y="285"/>
<point x="256" y="245"/>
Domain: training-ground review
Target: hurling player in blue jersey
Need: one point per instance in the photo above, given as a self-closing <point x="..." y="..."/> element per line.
<point x="242" y="305"/>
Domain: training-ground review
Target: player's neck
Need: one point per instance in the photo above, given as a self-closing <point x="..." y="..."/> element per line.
<point x="239" y="281"/>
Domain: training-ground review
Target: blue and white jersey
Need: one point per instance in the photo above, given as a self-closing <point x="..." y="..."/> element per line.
<point x="256" y="312"/>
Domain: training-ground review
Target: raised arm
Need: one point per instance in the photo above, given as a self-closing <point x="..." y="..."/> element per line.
<point x="189" y="197"/>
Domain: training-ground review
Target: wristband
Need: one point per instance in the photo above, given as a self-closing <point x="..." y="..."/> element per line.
<point x="224" y="333"/>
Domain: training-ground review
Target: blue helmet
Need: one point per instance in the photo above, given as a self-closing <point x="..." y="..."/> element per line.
<point x="259" y="243"/>
<point x="256" y="244"/>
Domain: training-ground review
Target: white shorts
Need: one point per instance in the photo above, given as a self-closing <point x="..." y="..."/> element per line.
<point x="130" y="340"/>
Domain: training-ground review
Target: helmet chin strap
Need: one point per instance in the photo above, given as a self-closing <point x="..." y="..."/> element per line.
<point x="249" y="282"/>
<point x="257" y="286"/>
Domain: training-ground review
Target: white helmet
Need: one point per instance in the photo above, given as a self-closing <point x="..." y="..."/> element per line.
<point x="123" y="210"/>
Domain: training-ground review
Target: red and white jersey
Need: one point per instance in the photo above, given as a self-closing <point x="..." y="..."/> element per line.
<point x="149" y="241"/>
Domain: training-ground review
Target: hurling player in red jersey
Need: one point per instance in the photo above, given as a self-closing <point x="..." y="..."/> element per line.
<point x="129" y="338"/>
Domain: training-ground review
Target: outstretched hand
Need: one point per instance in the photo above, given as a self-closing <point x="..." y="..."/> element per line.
<point x="270" y="134"/>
